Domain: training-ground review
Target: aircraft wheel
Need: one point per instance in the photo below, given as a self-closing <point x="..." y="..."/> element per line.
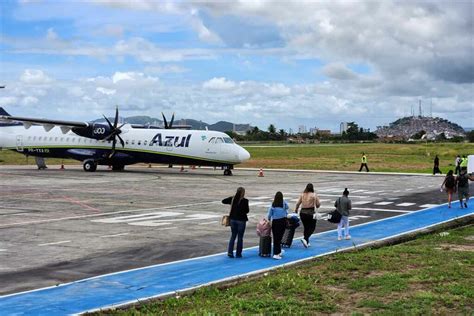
<point x="227" y="172"/>
<point x="90" y="166"/>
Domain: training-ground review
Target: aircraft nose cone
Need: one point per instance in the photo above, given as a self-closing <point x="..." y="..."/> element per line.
<point x="243" y="154"/>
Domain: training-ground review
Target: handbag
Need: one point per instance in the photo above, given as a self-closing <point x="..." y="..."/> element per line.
<point x="225" y="221"/>
<point x="334" y="217"/>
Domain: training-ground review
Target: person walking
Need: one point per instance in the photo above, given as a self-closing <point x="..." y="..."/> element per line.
<point x="457" y="163"/>
<point x="436" y="166"/>
<point x="462" y="182"/>
<point x="278" y="213"/>
<point x="238" y="220"/>
<point x="308" y="201"/>
<point x="343" y="206"/>
<point x="449" y="185"/>
<point x="363" y="163"/>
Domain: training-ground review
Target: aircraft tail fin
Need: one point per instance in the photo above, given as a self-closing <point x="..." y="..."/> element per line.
<point x="3" y="112"/>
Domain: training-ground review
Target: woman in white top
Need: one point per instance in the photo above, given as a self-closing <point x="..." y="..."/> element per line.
<point x="308" y="201"/>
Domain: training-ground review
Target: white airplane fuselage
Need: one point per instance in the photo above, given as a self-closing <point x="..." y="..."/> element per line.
<point x="167" y="146"/>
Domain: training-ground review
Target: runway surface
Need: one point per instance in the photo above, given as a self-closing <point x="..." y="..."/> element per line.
<point x="59" y="226"/>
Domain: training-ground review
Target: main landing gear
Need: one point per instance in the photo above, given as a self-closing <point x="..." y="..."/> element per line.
<point x="227" y="171"/>
<point x="90" y="165"/>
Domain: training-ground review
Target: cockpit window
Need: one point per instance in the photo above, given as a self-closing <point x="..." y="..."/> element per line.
<point x="219" y="140"/>
<point x="228" y="140"/>
<point x="212" y="140"/>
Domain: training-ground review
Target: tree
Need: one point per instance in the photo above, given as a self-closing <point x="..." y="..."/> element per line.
<point x="271" y="129"/>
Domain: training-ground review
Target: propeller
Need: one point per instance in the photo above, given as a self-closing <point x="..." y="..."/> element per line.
<point x="170" y="125"/>
<point x="115" y="133"/>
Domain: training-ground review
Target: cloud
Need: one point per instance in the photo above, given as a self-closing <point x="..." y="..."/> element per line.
<point x="221" y="84"/>
<point x="35" y="77"/>
<point x="339" y="71"/>
<point x="106" y="91"/>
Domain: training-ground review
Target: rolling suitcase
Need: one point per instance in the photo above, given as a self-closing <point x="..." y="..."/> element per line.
<point x="265" y="246"/>
<point x="287" y="239"/>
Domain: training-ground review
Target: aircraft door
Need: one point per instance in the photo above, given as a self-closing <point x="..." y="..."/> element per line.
<point x="19" y="143"/>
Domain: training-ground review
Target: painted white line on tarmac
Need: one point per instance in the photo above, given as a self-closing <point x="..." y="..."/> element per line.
<point x="115" y="235"/>
<point x="54" y="243"/>
<point x="379" y="210"/>
<point x="3" y="250"/>
<point x="383" y="203"/>
<point x="406" y="204"/>
<point x="105" y="214"/>
<point x="361" y="202"/>
<point x="429" y="205"/>
<point x="209" y="223"/>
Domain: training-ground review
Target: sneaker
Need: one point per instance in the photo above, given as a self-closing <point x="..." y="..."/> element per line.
<point x="238" y="256"/>
<point x="282" y="252"/>
<point x="309" y="245"/>
<point x="339" y="238"/>
<point x="304" y="242"/>
<point x="230" y="255"/>
<point x="348" y="237"/>
<point x="277" y="257"/>
<point x="465" y="205"/>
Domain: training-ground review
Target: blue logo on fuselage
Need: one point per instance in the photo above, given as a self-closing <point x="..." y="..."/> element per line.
<point x="170" y="141"/>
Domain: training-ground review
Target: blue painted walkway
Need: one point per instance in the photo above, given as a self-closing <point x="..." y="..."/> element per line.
<point x="130" y="286"/>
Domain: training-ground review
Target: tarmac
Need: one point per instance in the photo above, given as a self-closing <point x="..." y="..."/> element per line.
<point x="61" y="226"/>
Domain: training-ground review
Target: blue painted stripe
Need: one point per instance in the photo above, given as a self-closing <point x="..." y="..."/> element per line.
<point x="130" y="286"/>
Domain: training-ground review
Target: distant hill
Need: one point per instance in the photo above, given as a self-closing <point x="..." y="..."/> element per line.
<point x="406" y="127"/>
<point x="221" y="126"/>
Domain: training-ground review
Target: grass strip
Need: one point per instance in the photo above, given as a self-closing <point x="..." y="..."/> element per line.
<point x="433" y="274"/>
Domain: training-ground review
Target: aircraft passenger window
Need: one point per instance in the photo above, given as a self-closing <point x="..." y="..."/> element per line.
<point x="67" y="139"/>
<point x="29" y="137"/>
<point x="55" y="139"/>
<point x="212" y="140"/>
<point x="144" y="143"/>
<point x="39" y="138"/>
<point x="139" y="142"/>
<point x="133" y="142"/>
<point x="126" y="142"/>
<point x="50" y="139"/>
<point x="34" y="137"/>
<point x="228" y="140"/>
<point x="73" y="139"/>
<point x="219" y="140"/>
<point x="62" y="138"/>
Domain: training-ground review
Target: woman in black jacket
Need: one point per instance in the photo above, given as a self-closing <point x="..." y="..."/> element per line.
<point x="238" y="220"/>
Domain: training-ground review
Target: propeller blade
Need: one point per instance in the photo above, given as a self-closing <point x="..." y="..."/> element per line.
<point x="171" y="122"/>
<point x="116" y="117"/>
<point x="110" y="124"/>
<point x="164" y="120"/>
<point x="121" y="141"/>
<point x="112" y="153"/>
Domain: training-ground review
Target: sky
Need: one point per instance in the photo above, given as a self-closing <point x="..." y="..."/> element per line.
<point x="287" y="63"/>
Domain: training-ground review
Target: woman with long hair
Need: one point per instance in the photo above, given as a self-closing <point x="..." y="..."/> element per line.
<point x="278" y="213"/>
<point x="308" y="201"/>
<point x="449" y="185"/>
<point x="239" y="208"/>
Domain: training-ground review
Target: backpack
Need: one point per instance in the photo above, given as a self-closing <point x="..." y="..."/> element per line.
<point x="450" y="182"/>
<point x="462" y="180"/>
<point x="264" y="228"/>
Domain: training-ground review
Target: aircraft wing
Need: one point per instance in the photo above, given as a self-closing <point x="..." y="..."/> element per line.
<point x="65" y="126"/>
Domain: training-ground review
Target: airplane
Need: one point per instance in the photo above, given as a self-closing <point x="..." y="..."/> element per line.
<point x="95" y="143"/>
